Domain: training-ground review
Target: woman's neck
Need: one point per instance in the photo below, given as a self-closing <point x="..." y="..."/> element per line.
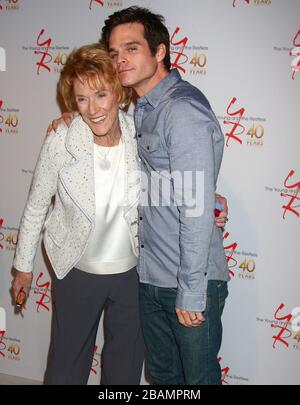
<point x="112" y="138"/>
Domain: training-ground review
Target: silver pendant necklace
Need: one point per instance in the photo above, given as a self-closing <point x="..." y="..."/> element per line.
<point x="104" y="162"/>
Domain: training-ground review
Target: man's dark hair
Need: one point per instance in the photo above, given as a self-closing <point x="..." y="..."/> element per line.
<point x="155" y="31"/>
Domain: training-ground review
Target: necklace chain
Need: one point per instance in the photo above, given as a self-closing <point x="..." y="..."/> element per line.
<point x="105" y="163"/>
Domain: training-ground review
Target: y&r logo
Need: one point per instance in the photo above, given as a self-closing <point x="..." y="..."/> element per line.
<point x="181" y="58"/>
<point x="95" y="361"/>
<point x="234" y="1"/>
<point x="48" y="55"/>
<point x="1" y="221"/>
<point x="8" y="122"/>
<point x="43" y="63"/>
<point x="283" y="324"/>
<point x="2" y="344"/>
<point x="256" y="2"/>
<point x="233" y="134"/>
<point x="42" y="290"/>
<point x="96" y="1"/>
<point x="11" y="5"/>
<point x="284" y="332"/>
<point x="293" y="197"/>
<point x="224" y="371"/>
<point x="296" y="52"/>
<point x="231" y="249"/>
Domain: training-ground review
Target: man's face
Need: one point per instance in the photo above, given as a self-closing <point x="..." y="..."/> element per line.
<point x="137" y="67"/>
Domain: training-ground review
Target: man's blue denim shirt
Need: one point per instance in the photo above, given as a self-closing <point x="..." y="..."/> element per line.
<point x="180" y="144"/>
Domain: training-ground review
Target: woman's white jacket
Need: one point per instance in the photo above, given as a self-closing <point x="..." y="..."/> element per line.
<point x="65" y="169"/>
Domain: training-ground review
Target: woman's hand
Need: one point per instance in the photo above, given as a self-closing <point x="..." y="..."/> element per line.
<point x="223" y="216"/>
<point x="66" y="118"/>
<point x="21" y="282"/>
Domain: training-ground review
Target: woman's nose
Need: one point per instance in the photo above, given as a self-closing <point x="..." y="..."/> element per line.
<point x="92" y="108"/>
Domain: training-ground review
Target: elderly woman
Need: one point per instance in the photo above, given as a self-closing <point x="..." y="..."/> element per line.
<point x="91" y="234"/>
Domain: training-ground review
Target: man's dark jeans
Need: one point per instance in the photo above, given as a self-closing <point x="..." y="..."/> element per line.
<point x="177" y="354"/>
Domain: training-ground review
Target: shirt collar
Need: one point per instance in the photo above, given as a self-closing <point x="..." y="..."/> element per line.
<point x="161" y="90"/>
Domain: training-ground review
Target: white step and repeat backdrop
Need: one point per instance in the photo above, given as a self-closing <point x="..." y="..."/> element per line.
<point x="244" y="55"/>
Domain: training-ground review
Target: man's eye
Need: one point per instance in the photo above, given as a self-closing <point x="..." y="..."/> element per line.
<point x="113" y="55"/>
<point x="132" y="49"/>
<point x="101" y="95"/>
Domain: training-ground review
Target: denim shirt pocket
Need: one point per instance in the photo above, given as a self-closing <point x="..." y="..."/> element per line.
<point x="148" y="142"/>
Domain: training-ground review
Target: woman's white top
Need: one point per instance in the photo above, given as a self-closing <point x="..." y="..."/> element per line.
<point x="109" y="250"/>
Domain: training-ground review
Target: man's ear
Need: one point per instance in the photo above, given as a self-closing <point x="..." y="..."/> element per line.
<point x="160" y="53"/>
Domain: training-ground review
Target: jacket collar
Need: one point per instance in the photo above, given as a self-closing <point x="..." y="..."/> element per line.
<point x="79" y="139"/>
<point x="77" y="175"/>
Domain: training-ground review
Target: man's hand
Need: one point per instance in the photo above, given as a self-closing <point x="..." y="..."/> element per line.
<point x="190" y="319"/>
<point x="223" y="216"/>
<point x="22" y="281"/>
<point x="66" y="118"/>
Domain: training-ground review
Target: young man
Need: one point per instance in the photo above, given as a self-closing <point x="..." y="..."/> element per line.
<point x="182" y="266"/>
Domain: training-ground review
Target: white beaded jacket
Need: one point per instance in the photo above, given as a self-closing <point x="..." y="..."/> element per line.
<point x="65" y="169"/>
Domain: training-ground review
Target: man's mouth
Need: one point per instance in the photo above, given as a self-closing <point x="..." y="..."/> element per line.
<point x="124" y="70"/>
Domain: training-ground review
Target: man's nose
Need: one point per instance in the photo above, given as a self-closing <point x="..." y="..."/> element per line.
<point x="121" y="59"/>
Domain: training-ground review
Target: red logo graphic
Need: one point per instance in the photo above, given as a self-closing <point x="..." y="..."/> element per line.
<point x="296" y="52"/>
<point x="293" y="197"/>
<point x="1" y="234"/>
<point x="231" y="248"/>
<point x="96" y="1"/>
<point x="45" y="298"/>
<point x="2" y="344"/>
<point x="279" y="337"/>
<point x="224" y="372"/>
<point x="44" y="54"/>
<point x="234" y="1"/>
<point x="233" y="134"/>
<point x="95" y="361"/>
<point x="180" y="55"/>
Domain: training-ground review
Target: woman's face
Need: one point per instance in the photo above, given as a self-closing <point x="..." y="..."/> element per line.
<point x="98" y="108"/>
